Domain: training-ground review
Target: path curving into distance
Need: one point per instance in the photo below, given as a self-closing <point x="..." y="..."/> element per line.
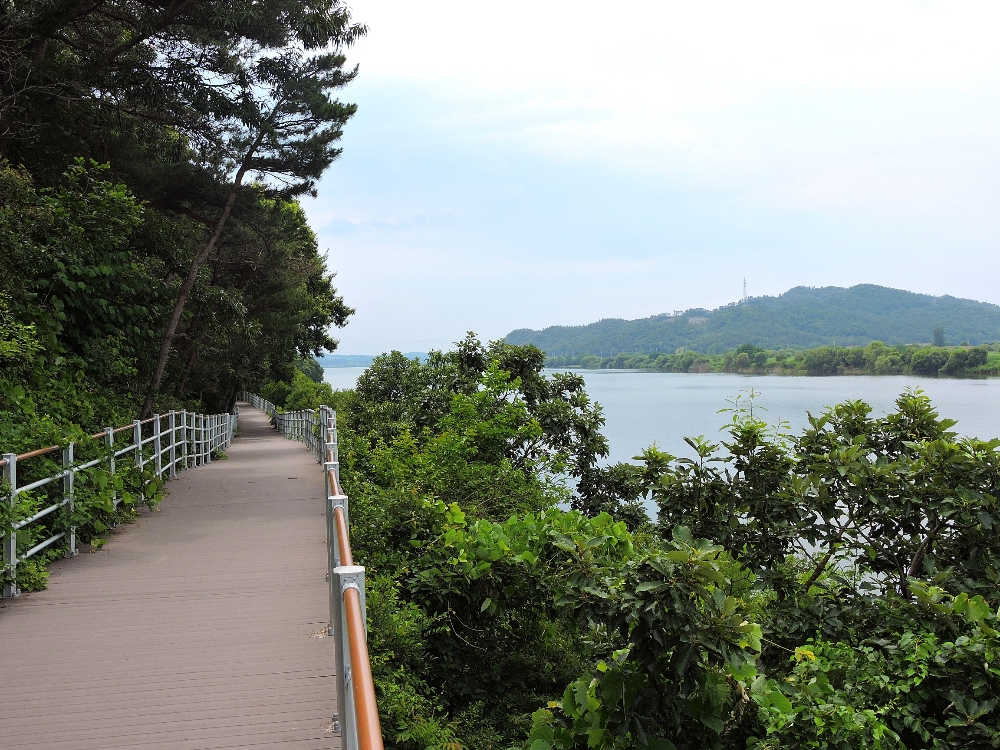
<point x="201" y="625"/>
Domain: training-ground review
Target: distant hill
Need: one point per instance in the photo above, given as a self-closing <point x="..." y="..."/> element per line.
<point x="358" y="360"/>
<point x="800" y="318"/>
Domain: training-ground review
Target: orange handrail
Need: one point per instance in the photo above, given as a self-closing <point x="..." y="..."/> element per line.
<point x="343" y="540"/>
<point x="366" y="711"/>
<point x="49" y="449"/>
<point x="334" y="482"/>
<point x="38" y="452"/>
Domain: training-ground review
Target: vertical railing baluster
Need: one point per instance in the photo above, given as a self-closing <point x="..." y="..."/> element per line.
<point x="109" y="441"/>
<point x="67" y="462"/>
<point x="139" y="463"/>
<point x="172" y="421"/>
<point x="157" y="447"/>
<point x="184" y="438"/>
<point x="10" y="590"/>
<point x="336" y="448"/>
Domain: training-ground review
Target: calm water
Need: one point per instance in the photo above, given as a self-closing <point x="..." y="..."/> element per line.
<point x="642" y="408"/>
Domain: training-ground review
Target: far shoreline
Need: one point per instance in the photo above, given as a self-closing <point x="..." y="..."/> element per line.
<point x="769" y="373"/>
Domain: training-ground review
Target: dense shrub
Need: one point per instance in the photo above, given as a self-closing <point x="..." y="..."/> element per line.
<point x="834" y="589"/>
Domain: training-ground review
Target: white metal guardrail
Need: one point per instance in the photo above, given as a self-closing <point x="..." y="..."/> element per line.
<point x="303" y="426"/>
<point x="357" y="719"/>
<point x="168" y="442"/>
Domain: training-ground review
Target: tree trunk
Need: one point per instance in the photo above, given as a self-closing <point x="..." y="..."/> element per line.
<point x="192" y="277"/>
<point x="187" y="371"/>
<point x="185" y="291"/>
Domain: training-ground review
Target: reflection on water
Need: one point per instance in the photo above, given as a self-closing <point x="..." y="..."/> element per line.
<point x="642" y="408"/>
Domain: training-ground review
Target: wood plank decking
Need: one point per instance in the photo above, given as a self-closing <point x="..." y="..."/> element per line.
<point x="199" y="626"/>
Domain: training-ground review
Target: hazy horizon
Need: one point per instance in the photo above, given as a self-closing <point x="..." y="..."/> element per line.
<point x="560" y="164"/>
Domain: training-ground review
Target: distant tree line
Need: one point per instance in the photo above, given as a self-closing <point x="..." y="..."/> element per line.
<point x="877" y="358"/>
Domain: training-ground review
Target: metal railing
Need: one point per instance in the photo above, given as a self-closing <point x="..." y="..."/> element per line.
<point x="175" y="441"/>
<point x="303" y="425"/>
<point x="357" y="716"/>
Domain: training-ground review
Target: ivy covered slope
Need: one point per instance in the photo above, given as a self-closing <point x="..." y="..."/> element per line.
<point x="833" y="589"/>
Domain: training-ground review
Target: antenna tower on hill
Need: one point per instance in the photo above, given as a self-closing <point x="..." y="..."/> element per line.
<point x="744" y="289"/>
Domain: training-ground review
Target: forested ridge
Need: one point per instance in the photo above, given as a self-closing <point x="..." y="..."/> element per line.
<point x="832" y="589"/>
<point x="801" y="318"/>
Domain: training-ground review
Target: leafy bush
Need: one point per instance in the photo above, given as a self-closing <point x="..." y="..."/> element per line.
<point x="833" y="589"/>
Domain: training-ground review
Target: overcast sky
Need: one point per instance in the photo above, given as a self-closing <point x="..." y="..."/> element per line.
<point x="528" y="164"/>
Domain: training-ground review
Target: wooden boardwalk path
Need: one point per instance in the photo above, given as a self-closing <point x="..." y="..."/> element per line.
<point x="199" y="626"/>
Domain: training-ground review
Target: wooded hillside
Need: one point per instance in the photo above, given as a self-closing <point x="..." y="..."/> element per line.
<point x="152" y="158"/>
<point x="800" y="318"/>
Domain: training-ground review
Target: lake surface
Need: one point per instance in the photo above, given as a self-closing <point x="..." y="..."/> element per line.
<point x="642" y="408"/>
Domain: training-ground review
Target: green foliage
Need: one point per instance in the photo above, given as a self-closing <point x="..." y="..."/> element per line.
<point x="120" y="121"/>
<point x="121" y="124"/>
<point x="834" y="589"/>
<point x="800" y="318"/>
<point x="874" y="359"/>
<point x="102" y="499"/>
<point x="309" y="367"/>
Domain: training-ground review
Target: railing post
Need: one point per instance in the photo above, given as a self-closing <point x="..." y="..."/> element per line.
<point x="335" y="555"/>
<point x="139" y="463"/>
<point x="344" y="578"/>
<point x="335" y="458"/>
<point x="67" y="461"/>
<point x="172" y="421"/>
<point x="10" y="590"/>
<point x="199" y="448"/>
<point x="157" y="446"/>
<point x="184" y="438"/>
<point x="109" y="440"/>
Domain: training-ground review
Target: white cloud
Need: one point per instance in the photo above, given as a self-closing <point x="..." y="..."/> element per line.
<point x="544" y="162"/>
